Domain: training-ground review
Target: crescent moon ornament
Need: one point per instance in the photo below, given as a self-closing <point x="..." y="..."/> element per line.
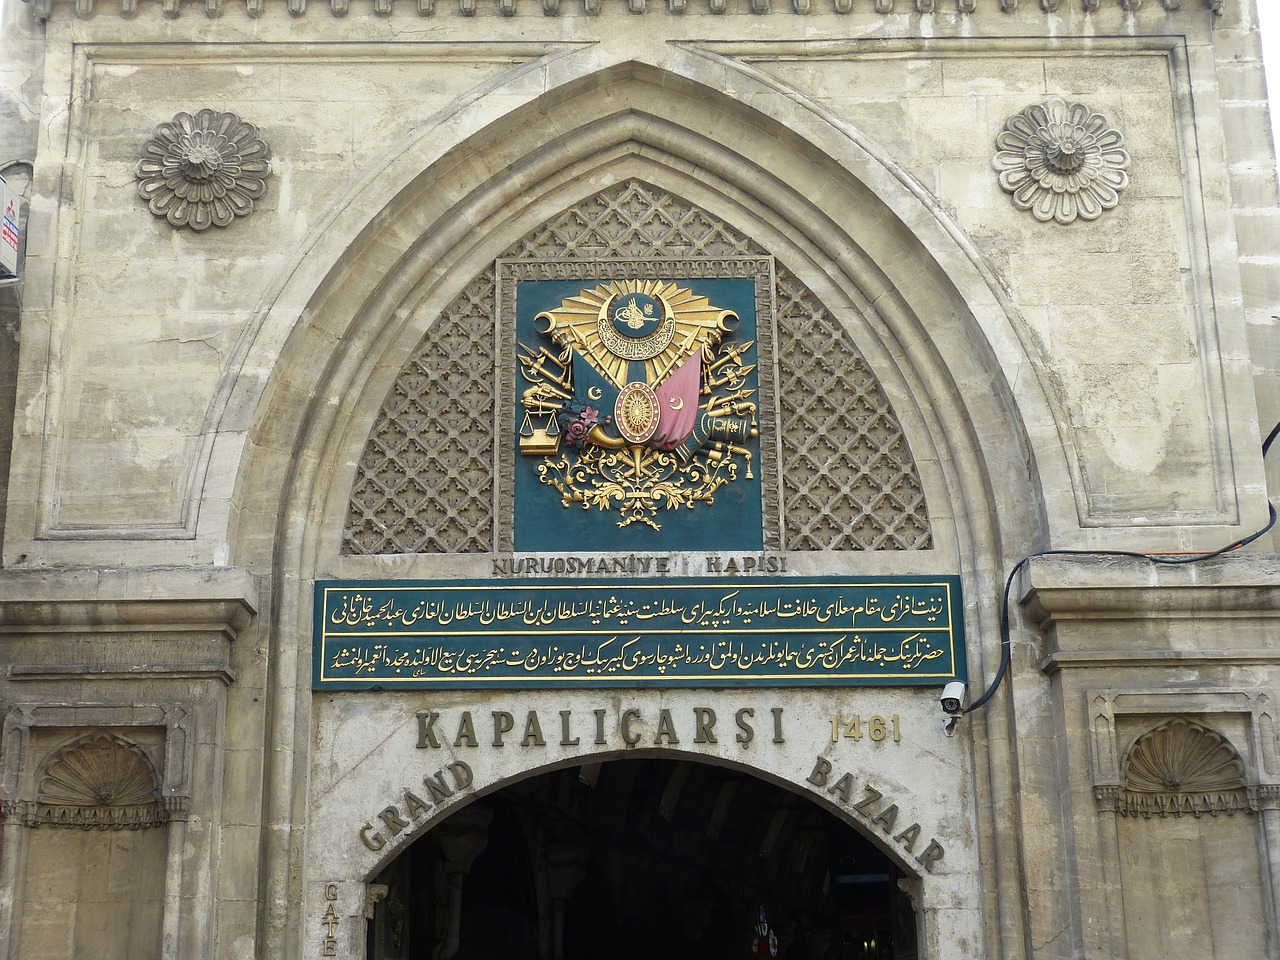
<point x="677" y="403"/>
<point x="594" y="393"/>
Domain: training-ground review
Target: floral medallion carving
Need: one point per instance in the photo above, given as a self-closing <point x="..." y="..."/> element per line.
<point x="1181" y="767"/>
<point x="203" y="169"/>
<point x="1061" y="161"/>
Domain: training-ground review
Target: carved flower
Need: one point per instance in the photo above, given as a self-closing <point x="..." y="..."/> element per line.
<point x="1061" y="161"/>
<point x="580" y="426"/>
<point x="203" y="170"/>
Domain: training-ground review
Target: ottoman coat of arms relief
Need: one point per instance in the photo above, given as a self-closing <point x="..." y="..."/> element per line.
<point x="637" y="401"/>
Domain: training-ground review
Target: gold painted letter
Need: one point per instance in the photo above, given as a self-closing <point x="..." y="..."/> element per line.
<point x="704" y="721"/>
<point x="427" y="729"/>
<point x="374" y="842"/>
<point x="820" y="770"/>
<point x="932" y="854"/>
<point x="502" y="723"/>
<point x="629" y="717"/>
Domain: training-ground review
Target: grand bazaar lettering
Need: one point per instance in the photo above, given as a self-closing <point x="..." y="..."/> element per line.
<point x="497" y="730"/>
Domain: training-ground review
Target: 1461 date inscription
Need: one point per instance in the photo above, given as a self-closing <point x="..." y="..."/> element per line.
<point x="876" y="729"/>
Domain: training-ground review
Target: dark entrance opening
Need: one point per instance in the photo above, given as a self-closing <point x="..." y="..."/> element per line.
<point x="642" y="860"/>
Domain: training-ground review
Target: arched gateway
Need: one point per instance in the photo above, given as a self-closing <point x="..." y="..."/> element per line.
<point x="645" y="464"/>
<point x="626" y="856"/>
<point x="522" y="480"/>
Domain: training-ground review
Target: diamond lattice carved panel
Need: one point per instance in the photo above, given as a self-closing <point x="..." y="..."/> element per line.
<point x="634" y="221"/>
<point x="425" y="483"/>
<point x="848" y="479"/>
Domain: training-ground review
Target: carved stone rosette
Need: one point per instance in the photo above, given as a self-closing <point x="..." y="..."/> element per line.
<point x="203" y="169"/>
<point x="1061" y="161"/>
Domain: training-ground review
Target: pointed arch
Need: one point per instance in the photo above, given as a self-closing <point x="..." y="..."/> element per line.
<point x="679" y="829"/>
<point x="425" y="481"/>
<point x="845" y="219"/>
<point x="913" y="296"/>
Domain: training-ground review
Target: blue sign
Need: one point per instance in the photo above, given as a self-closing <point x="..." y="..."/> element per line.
<point x="876" y="631"/>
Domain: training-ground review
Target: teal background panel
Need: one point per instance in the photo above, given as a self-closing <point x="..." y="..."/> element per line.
<point x="679" y="632"/>
<point x="542" y="524"/>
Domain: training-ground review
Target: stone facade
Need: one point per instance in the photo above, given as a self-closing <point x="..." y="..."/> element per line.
<point x="1014" y="279"/>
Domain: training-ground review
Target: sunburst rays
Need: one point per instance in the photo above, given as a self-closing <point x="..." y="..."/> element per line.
<point x="576" y="323"/>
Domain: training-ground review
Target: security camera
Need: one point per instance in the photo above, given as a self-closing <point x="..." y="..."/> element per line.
<point x="953" y="697"/>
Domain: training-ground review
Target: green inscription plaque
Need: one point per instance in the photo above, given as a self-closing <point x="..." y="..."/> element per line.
<point x="900" y="631"/>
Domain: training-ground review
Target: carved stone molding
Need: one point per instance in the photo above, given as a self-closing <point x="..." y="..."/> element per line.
<point x="203" y="169"/>
<point x="1061" y="161"/>
<point x="98" y="781"/>
<point x="1179" y="768"/>
<point x="43" y="9"/>
<point x="1190" y="752"/>
<point x="1077" y="600"/>
<point x="1267" y="797"/>
<point x="1107" y="796"/>
<point x="374" y="893"/>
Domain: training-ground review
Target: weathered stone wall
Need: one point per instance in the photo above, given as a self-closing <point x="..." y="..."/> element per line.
<point x="1099" y="306"/>
<point x="192" y="407"/>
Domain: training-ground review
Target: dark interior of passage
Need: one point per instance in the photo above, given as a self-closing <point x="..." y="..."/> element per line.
<point x="642" y="860"/>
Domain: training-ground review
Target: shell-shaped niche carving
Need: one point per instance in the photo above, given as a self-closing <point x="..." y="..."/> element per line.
<point x="100" y="780"/>
<point x="1180" y="767"/>
<point x="1182" y="756"/>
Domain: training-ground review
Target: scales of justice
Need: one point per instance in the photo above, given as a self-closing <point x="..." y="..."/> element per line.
<point x="639" y="399"/>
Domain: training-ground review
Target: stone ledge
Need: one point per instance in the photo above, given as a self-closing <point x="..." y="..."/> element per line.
<point x="93" y="671"/>
<point x="1115" y="613"/>
<point x="1060" y="660"/>
<point x="65" y="601"/>
<point x="1057" y="590"/>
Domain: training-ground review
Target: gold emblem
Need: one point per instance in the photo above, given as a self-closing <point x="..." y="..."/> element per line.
<point x="689" y="322"/>
<point x="646" y="401"/>
<point x="632" y="315"/>
<point x="542" y="439"/>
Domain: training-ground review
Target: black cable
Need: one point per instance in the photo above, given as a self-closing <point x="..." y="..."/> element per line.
<point x="1164" y="559"/>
